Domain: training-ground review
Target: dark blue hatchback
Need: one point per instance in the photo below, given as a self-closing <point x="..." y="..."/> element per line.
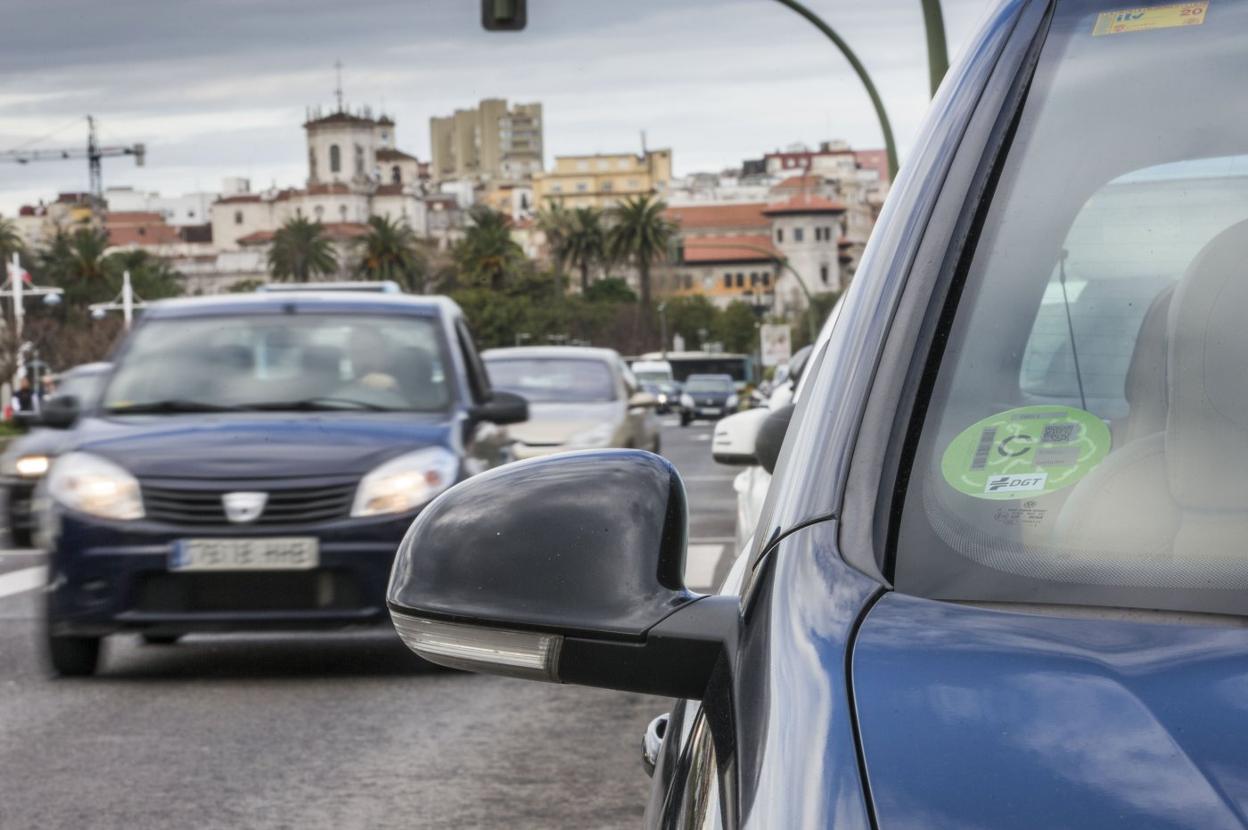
<point x="253" y="463"/>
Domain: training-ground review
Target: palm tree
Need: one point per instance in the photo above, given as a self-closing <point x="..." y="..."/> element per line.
<point x="586" y="242"/>
<point x="10" y="243"/>
<point x="487" y="254"/>
<point x="554" y="221"/>
<point x="391" y="251"/>
<point x="301" y="250"/>
<point x="640" y="234"/>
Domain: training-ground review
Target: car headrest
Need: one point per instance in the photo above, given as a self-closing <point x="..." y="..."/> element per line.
<point x="1145" y="387"/>
<point x="1207" y="421"/>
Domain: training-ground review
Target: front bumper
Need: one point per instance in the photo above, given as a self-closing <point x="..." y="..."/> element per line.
<point x="110" y="576"/>
<point x="16" y="494"/>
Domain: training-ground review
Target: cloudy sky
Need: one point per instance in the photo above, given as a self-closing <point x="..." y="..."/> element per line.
<point x="219" y="88"/>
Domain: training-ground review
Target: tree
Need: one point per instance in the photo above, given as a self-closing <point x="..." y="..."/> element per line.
<point x="391" y="251"/>
<point x="585" y="242"/>
<point x="10" y="243"/>
<point x="610" y="290"/>
<point x="735" y="328"/>
<point x="300" y="251"/>
<point x="641" y="235"/>
<point x="554" y="221"/>
<point x="487" y="256"/>
<point x="690" y="317"/>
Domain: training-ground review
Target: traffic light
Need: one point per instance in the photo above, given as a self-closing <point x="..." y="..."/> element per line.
<point x="504" y="15"/>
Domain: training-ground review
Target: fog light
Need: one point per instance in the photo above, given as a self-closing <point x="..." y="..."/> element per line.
<point x="32" y="466"/>
<point x="525" y="654"/>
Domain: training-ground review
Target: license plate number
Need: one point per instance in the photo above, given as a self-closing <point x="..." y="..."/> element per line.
<point x="273" y="554"/>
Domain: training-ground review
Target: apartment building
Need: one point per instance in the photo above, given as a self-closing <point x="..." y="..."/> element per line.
<point x="489" y="142"/>
<point x="602" y="180"/>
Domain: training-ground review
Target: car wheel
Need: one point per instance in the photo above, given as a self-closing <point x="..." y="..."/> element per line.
<point x="74" y="656"/>
<point x="161" y="639"/>
<point x="20" y="538"/>
<point x="684" y="420"/>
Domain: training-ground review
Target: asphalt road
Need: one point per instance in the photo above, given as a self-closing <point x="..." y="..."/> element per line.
<point x="337" y="731"/>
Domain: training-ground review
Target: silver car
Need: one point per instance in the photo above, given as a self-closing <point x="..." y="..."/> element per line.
<point x="579" y="398"/>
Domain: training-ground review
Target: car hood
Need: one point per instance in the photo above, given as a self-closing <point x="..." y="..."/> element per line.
<point x="258" y="445"/>
<point x="979" y="718"/>
<point x="555" y="423"/>
<point x="37" y="442"/>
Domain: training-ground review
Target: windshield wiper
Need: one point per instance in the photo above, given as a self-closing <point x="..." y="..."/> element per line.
<point x="325" y="403"/>
<point x="169" y="405"/>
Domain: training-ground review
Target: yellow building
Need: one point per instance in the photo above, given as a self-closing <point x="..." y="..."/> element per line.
<point x="602" y="180"/>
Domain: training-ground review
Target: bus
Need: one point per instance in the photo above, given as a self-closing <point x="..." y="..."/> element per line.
<point x="684" y="364"/>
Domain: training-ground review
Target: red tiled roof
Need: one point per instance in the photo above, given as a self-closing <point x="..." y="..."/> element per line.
<point x="806" y="204"/>
<point x="389" y="189"/>
<point x="256" y="238"/>
<point x="337" y="231"/>
<point x="321" y="189"/>
<point x="391" y="154"/>
<point x="800" y="182"/>
<point x="739" y="248"/>
<point x="153" y="234"/>
<point x="703" y="217"/>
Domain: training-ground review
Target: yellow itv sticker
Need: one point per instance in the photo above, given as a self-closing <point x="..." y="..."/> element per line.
<point x="1151" y="17"/>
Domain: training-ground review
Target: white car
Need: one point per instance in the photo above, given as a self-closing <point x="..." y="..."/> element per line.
<point x="734" y="438"/>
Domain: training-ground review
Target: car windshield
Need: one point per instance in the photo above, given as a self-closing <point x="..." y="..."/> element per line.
<point x="708" y="384"/>
<point x="1085" y="438"/>
<point x="281" y="362"/>
<point x="553" y="380"/>
<point x="653" y="377"/>
<point x="85" y="386"/>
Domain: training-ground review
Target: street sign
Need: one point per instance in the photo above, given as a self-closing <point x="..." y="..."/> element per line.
<point x="776" y="346"/>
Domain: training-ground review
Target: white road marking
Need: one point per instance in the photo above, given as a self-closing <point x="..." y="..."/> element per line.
<point x="20" y="551"/>
<point x="700" y="562"/>
<point x="702" y="436"/>
<point x="27" y="579"/>
<point x="671" y="423"/>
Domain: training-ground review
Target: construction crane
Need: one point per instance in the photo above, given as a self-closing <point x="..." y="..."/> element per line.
<point x="93" y="154"/>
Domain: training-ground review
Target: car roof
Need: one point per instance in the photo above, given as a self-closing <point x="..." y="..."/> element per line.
<point x="581" y="352"/>
<point x="303" y="301"/>
<point x="97" y="368"/>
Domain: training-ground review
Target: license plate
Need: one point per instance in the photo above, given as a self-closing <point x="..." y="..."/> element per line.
<point x="708" y="411"/>
<point x="272" y="554"/>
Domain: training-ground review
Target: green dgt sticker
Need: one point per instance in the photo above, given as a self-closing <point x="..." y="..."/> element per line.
<point x="1025" y="452"/>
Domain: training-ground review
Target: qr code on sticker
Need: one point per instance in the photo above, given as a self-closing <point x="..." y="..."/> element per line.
<point x="1059" y="433"/>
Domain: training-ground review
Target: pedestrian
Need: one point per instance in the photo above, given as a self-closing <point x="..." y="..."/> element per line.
<point x="24" y="397"/>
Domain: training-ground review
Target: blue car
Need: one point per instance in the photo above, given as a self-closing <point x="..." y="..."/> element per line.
<point x="1001" y="575"/>
<point x="252" y="462"/>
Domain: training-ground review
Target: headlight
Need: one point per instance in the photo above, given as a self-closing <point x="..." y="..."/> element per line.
<point x="90" y="484"/>
<point x="32" y="466"/>
<point x="662" y="397"/>
<point x="599" y="436"/>
<point x="25" y="466"/>
<point x="732" y="402"/>
<point x="686" y="401"/>
<point x="405" y="483"/>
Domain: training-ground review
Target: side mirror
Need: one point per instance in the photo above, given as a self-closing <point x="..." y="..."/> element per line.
<point x="502" y="408"/>
<point x="60" y="411"/>
<point x="643" y="399"/>
<point x="736" y="437"/>
<point x="771" y="436"/>
<point x="567" y="568"/>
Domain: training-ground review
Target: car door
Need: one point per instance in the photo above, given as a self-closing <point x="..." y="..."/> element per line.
<point x="781" y="715"/>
